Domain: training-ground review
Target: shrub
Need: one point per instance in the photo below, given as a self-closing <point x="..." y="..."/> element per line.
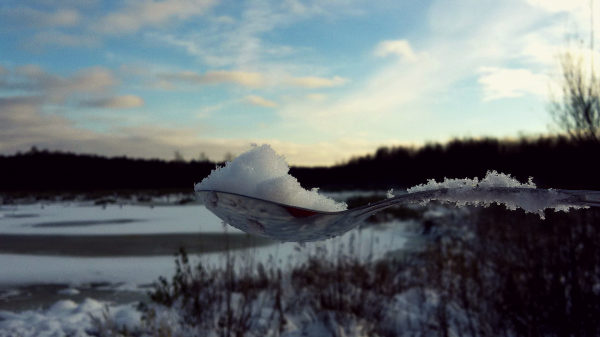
<point x="519" y="275"/>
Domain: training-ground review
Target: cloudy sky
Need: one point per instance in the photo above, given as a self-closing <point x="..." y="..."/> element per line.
<point x="319" y="80"/>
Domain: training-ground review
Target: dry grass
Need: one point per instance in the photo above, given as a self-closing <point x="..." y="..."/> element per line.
<point x="493" y="273"/>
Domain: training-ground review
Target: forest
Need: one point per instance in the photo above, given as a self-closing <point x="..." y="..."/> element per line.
<point x="552" y="161"/>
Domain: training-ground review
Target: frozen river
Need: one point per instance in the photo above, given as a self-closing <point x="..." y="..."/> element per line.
<point x="126" y="247"/>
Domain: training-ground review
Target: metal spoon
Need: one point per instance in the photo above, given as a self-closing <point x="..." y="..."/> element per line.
<point x="289" y="223"/>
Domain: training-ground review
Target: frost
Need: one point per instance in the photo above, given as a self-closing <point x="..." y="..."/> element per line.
<point x="261" y="173"/>
<point x="390" y="194"/>
<point x="480" y="193"/>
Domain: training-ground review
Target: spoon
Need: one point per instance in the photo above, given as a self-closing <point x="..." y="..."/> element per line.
<point x="290" y="223"/>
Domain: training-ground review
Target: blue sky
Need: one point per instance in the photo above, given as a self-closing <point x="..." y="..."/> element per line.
<point x="320" y="81"/>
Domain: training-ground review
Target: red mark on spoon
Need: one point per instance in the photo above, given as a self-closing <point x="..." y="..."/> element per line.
<point x="299" y="213"/>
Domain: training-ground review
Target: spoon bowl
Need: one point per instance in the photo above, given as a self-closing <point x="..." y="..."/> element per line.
<point x="285" y="223"/>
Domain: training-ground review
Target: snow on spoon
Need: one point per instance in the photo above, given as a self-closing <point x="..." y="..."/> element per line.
<point x="255" y="194"/>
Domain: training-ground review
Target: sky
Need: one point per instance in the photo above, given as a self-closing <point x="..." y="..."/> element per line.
<point x="320" y="80"/>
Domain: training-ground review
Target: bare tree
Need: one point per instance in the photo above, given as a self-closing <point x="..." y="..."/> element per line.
<point x="578" y="111"/>
<point x="179" y="157"/>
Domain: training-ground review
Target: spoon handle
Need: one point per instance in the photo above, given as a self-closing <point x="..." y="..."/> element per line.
<point x="530" y="199"/>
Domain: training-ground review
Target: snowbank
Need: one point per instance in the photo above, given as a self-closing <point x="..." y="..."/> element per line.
<point x="67" y="318"/>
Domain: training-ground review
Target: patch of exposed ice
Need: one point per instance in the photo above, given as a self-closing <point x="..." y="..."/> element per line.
<point x="261" y="173"/>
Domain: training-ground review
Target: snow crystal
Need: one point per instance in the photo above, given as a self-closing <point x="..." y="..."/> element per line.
<point x="390" y="194"/>
<point x="261" y="173"/>
<point x="479" y="193"/>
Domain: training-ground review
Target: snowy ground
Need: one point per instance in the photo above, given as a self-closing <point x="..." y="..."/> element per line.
<point x="45" y="289"/>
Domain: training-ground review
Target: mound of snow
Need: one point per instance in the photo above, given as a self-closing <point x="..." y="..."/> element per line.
<point x="262" y="174"/>
<point x="67" y="318"/>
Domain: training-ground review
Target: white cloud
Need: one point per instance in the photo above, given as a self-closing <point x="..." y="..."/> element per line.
<point x="70" y="3"/>
<point x="506" y="83"/>
<point x="377" y="103"/>
<point x="207" y="111"/>
<point x="133" y="69"/>
<point x="317" y="82"/>
<point x="91" y="80"/>
<point x="463" y="38"/>
<point x="250" y="79"/>
<point x="411" y="101"/>
<point x="31" y="70"/>
<point x="259" y="101"/>
<point x="95" y="79"/>
<point x="57" y="89"/>
<point x="558" y="5"/>
<point x="22" y="124"/>
<point x="56" y="38"/>
<point x="540" y="52"/>
<point x="161" y="85"/>
<point x="136" y="15"/>
<point x="240" y="42"/>
<point x="396" y="47"/>
<point x="225" y="19"/>
<point x="50" y="89"/>
<point x="27" y="18"/>
<point x="317" y="97"/>
<point x="117" y="102"/>
<point x="245" y="78"/>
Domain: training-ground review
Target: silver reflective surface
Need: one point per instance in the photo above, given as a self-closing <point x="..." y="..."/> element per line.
<point x="288" y="223"/>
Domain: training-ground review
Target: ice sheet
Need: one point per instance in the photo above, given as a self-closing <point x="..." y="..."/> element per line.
<point x="63" y="218"/>
<point x="18" y="269"/>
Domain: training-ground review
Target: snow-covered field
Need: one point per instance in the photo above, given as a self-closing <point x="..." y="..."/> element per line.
<point x="42" y="261"/>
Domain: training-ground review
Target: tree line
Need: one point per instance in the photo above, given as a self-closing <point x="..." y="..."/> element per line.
<point x="60" y="171"/>
<point x="553" y="161"/>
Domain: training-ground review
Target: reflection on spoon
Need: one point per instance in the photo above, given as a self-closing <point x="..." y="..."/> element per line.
<point x="289" y="223"/>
